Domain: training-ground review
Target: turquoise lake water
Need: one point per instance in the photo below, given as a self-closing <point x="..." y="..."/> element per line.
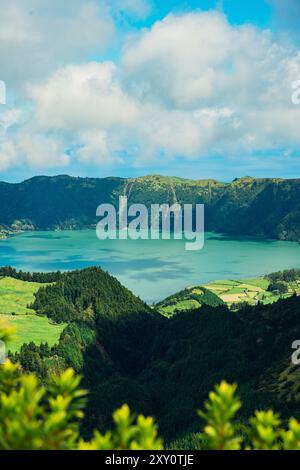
<point x="152" y="269"/>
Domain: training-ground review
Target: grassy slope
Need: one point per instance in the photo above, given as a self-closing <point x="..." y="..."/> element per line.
<point x="15" y="296"/>
<point x="251" y="291"/>
<point x="32" y="328"/>
<point x="188" y="299"/>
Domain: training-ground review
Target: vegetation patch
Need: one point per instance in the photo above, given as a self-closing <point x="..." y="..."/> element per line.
<point x="235" y="293"/>
<point x="189" y="299"/>
<point x="16" y="298"/>
<point x="32" y="329"/>
<point x="265" y="289"/>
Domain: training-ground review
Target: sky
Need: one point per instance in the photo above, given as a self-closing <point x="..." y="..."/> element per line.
<point x="189" y="88"/>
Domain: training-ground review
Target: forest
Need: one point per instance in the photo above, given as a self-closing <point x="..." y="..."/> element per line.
<point x="163" y="367"/>
<point x="259" y="207"/>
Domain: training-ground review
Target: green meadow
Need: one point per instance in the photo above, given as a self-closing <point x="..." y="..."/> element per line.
<point x="16" y="296"/>
<point x="32" y="328"/>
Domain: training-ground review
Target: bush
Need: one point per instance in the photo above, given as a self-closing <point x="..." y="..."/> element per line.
<point x="263" y="432"/>
<point x="35" y="417"/>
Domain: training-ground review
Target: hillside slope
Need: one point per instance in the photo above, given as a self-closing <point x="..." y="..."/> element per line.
<point x="247" y="206"/>
<point x="166" y="366"/>
<point x="235" y="293"/>
<point x="188" y="299"/>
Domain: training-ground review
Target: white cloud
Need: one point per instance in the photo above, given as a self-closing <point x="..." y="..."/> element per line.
<point x="36" y="37"/>
<point x="177" y="61"/>
<point x="31" y="149"/>
<point x="197" y="60"/>
<point x="22" y="144"/>
<point x="97" y="148"/>
<point x="200" y="65"/>
<point x="80" y="97"/>
<point x="190" y="86"/>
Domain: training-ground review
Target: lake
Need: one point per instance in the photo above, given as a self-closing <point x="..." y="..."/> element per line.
<point x="152" y="269"/>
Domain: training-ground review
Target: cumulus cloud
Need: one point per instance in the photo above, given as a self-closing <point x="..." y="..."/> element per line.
<point x="22" y="144"/>
<point x="33" y="150"/>
<point x="190" y="86"/>
<point x="177" y="61"/>
<point x="98" y="148"/>
<point x="38" y="36"/>
<point x="200" y="60"/>
<point x="80" y="97"/>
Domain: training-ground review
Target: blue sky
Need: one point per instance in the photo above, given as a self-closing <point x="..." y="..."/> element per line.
<point x="258" y="12"/>
<point x="198" y="89"/>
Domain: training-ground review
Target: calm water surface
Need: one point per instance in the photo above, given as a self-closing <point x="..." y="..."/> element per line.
<point x="152" y="269"/>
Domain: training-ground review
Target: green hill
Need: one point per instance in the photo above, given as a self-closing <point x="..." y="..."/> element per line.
<point x="162" y="366"/>
<point x="188" y="299"/>
<point x="262" y="207"/>
<point x="86" y="295"/>
<point x="235" y="293"/>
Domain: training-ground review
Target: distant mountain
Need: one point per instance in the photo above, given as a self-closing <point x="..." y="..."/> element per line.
<point x="257" y="207"/>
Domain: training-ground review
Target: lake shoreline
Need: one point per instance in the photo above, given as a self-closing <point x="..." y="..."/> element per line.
<point x="93" y="228"/>
<point x="152" y="269"/>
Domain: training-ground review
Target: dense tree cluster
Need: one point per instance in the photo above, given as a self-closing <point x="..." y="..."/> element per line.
<point x="288" y="275"/>
<point x="278" y="286"/>
<point x="85" y="295"/>
<point x="7" y="271"/>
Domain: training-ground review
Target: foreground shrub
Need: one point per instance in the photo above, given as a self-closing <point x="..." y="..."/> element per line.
<point x="35" y="416"/>
<point x="264" y="431"/>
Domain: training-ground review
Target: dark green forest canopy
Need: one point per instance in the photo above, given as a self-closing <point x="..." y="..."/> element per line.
<point x="262" y="207"/>
<point x="85" y="295"/>
<point x="129" y="353"/>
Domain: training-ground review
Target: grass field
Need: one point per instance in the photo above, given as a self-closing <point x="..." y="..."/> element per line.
<point x="32" y="328"/>
<point x="181" y="305"/>
<point x="15" y="297"/>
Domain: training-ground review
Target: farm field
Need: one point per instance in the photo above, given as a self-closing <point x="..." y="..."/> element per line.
<point x="228" y="291"/>
<point x="251" y="291"/>
<point x="15" y="298"/>
<point x="244" y="290"/>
